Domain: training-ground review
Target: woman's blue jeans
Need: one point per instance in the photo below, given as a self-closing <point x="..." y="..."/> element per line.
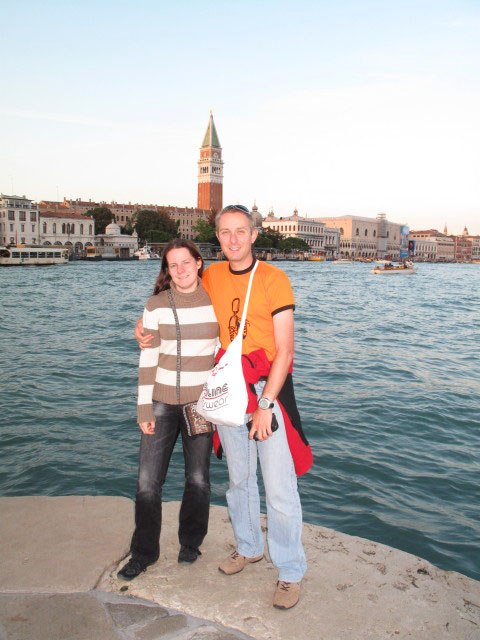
<point x="155" y="453"/>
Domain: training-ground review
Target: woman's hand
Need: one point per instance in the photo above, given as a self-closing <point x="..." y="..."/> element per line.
<point x="148" y="428"/>
<point x="143" y="341"/>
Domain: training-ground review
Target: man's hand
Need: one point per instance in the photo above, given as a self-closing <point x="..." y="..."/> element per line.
<point x="148" y="428"/>
<point x="143" y="341"/>
<point x="262" y="424"/>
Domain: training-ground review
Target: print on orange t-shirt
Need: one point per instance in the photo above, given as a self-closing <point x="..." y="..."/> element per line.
<point x="271" y="293"/>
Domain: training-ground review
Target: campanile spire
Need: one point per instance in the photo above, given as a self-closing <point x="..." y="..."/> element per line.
<point x="210" y="171"/>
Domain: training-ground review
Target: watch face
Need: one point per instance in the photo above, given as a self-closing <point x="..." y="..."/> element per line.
<point x="264" y="403"/>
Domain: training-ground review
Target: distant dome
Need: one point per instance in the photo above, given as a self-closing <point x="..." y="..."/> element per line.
<point x="257" y="216"/>
<point x="112" y="229"/>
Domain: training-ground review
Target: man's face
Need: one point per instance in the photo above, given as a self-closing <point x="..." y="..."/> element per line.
<point x="236" y="239"/>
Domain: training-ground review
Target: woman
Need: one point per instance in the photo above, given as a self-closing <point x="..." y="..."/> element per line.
<point x="172" y="372"/>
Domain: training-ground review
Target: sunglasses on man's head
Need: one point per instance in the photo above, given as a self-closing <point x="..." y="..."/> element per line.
<point x="236" y="207"/>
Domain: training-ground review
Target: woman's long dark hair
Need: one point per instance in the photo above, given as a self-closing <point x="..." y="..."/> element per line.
<point x="163" y="280"/>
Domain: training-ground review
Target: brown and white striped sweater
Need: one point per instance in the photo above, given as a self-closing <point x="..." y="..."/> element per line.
<point x="157" y="376"/>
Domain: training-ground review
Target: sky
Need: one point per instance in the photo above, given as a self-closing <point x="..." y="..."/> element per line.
<point x="333" y="108"/>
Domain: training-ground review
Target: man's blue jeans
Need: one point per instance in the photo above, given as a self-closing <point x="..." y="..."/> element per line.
<point x="284" y="510"/>
<point x="155" y="453"/>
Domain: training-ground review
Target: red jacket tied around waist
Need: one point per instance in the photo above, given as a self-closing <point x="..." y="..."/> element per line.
<point x="256" y="366"/>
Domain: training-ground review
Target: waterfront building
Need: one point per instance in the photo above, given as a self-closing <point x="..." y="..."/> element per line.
<point x="116" y="242"/>
<point x="463" y="247"/>
<point x="432" y="246"/>
<point x="362" y="237"/>
<point x="320" y="238"/>
<point x="210" y="171"/>
<point x="64" y="228"/>
<point x="475" y="247"/>
<point x="19" y="220"/>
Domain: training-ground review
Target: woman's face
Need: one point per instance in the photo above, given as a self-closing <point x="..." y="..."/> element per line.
<point x="183" y="269"/>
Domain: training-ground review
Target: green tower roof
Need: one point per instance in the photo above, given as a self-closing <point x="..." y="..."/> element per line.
<point x="211" y="136"/>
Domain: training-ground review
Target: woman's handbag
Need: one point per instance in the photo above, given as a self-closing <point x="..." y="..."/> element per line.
<point x="224" y="397"/>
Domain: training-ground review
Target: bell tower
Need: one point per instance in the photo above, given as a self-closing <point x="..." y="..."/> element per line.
<point x="210" y="171"/>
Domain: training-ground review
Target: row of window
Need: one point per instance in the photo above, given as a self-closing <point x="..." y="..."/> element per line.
<point x="35" y="254"/>
<point x="301" y="227"/>
<point x="17" y="205"/>
<point x="22" y="216"/>
<point x="68" y="228"/>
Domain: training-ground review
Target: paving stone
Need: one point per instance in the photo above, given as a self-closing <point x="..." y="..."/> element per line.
<point x="55" y="617"/>
<point x="84" y="535"/>
<point x="126" y="615"/>
<point x="161" y="628"/>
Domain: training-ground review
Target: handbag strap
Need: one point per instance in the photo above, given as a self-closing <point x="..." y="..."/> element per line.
<point x="179" y="341"/>
<point x="247" y="298"/>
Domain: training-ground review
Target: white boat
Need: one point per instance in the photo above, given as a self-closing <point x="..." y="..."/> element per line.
<point x="390" y="269"/>
<point x="23" y="255"/>
<point x="342" y="261"/>
<point x="145" y="253"/>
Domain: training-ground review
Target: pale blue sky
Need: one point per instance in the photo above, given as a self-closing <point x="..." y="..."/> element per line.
<point x="332" y="107"/>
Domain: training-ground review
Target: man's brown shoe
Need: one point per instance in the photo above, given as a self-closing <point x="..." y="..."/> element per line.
<point x="235" y="563"/>
<point x="286" y="594"/>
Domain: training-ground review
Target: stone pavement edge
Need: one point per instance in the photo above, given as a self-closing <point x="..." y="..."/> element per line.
<point x="62" y="554"/>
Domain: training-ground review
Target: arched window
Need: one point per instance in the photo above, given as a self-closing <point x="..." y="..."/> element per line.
<point x="366" y="232"/>
<point x="357" y="232"/>
<point x="44" y="227"/>
<point x="64" y="228"/>
<point x="54" y="227"/>
<point x="341" y="230"/>
<point x="72" y="228"/>
<point x="374" y="233"/>
<point x="81" y="229"/>
<point x="90" y="229"/>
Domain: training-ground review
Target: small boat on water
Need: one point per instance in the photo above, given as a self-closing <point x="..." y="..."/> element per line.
<point x="316" y="257"/>
<point x="146" y="253"/>
<point x="389" y="269"/>
<point x="23" y="255"/>
<point x="342" y="261"/>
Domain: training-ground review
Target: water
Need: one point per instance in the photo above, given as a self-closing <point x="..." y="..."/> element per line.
<point x="387" y="378"/>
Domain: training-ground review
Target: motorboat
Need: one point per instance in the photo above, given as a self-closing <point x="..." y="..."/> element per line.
<point x="146" y="253"/>
<point x="389" y="269"/>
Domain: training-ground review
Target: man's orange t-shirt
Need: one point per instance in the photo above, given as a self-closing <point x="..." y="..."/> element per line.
<point x="271" y="293"/>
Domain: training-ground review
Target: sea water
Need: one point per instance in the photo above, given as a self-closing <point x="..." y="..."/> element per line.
<point x="387" y="378"/>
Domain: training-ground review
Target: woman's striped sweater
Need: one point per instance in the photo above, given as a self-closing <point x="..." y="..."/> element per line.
<point x="157" y="378"/>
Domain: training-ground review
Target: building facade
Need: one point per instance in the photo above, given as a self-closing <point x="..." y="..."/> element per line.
<point x="362" y="237"/>
<point x="320" y="238"/>
<point x="19" y="220"/>
<point x="66" y="229"/>
<point x="210" y="171"/>
<point x="117" y="242"/>
<point x="432" y="246"/>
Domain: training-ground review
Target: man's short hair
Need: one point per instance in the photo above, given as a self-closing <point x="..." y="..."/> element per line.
<point x="232" y="208"/>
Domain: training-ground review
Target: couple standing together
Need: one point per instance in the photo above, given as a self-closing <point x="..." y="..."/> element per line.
<point x="178" y="334"/>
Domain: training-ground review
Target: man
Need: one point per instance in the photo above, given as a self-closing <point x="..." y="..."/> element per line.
<point x="268" y="350"/>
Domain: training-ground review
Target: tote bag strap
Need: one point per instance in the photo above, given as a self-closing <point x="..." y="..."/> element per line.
<point x="247" y="298"/>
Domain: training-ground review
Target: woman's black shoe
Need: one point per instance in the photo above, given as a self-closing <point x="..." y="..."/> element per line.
<point x="132" y="569"/>
<point x="188" y="554"/>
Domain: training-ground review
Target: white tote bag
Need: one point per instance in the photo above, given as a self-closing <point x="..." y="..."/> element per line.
<point x="224" y="397"/>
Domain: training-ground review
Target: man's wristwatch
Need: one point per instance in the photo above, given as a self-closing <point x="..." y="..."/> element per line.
<point x="264" y="403"/>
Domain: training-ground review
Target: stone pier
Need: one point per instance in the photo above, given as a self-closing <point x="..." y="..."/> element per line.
<point x="59" y="558"/>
